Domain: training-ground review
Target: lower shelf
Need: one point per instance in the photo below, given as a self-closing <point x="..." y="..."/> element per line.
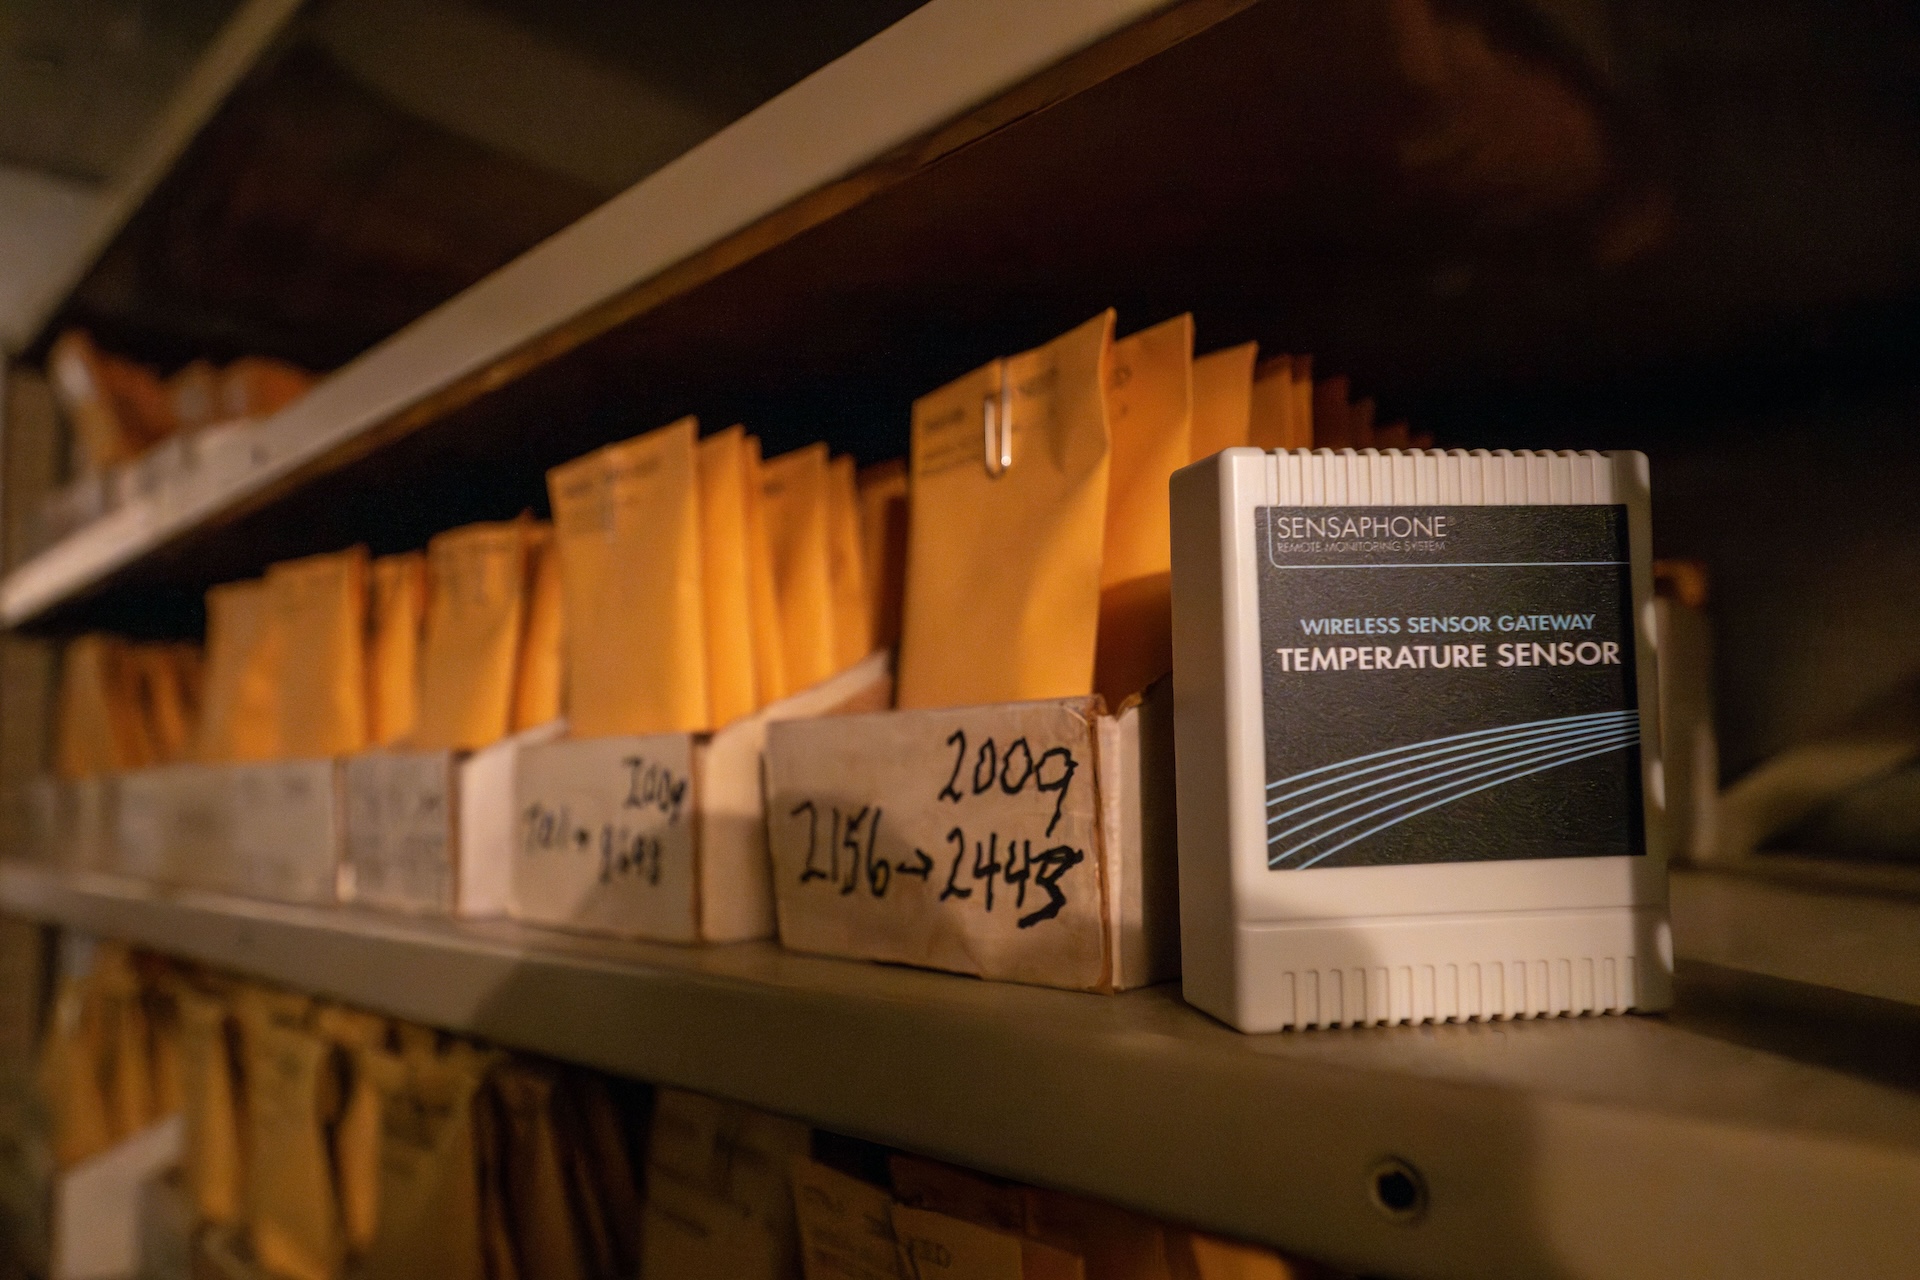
<point x="1765" y="1128"/>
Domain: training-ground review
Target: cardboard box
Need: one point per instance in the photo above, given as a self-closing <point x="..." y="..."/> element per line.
<point x="287" y="832"/>
<point x="664" y="836"/>
<point x="1027" y="842"/>
<point x="174" y="825"/>
<point x="88" y="822"/>
<point x="488" y="825"/>
<point x="402" y="830"/>
<point x="257" y="830"/>
<point x="432" y="831"/>
<point x="35" y="810"/>
<point x="96" y="1204"/>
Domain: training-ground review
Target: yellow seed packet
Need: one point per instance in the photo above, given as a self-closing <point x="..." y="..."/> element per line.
<point x="396" y="612"/>
<point x="1301" y="368"/>
<point x="852" y="610"/>
<point x="1278" y="418"/>
<point x="846" y="1226"/>
<point x="319" y="607"/>
<point x="934" y="1245"/>
<point x="239" y="699"/>
<point x="1223" y="399"/>
<point x="260" y="386"/>
<point x="100" y="726"/>
<point x="190" y="666"/>
<point x="607" y="1161"/>
<point x="476" y="609"/>
<point x="164" y="699"/>
<point x="356" y="1137"/>
<point x="213" y="1123"/>
<point x="1136" y="636"/>
<point x="726" y="576"/>
<point x="1150" y="415"/>
<point x="769" y="643"/>
<point x="541" y="1210"/>
<point x="883" y="544"/>
<point x="539" y="684"/>
<point x="72" y="1071"/>
<point x="131" y="1103"/>
<point x="1010" y="472"/>
<point x="163" y="1023"/>
<point x="81" y="379"/>
<point x="1360" y="424"/>
<point x="627" y="518"/>
<point x="719" y="1194"/>
<point x="1333" y="425"/>
<point x="293" y="1215"/>
<point x="1150" y="420"/>
<point x="793" y="489"/>
<point x="435" y="1216"/>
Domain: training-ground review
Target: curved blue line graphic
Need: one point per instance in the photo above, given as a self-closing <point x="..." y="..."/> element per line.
<point x="1530" y="761"/>
<point x="1391" y="822"/>
<point x="1504" y="729"/>
<point x="1376" y="788"/>
<point x="1437" y="757"/>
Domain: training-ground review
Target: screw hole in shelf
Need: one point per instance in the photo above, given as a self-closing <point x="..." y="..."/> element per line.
<point x="1397" y="1190"/>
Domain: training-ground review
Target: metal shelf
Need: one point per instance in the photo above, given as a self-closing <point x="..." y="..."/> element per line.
<point x="247" y="36"/>
<point x="1718" y="1140"/>
<point x="976" y="178"/>
<point x="939" y="63"/>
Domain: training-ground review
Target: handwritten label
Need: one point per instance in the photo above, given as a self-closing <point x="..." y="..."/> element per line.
<point x="963" y="840"/>
<point x="604" y="836"/>
<point x="846" y="1225"/>
<point x="934" y="1245"/>
<point x="400" y="833"/>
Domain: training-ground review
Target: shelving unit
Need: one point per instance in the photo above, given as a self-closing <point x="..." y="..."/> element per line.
<point x="980" y="175"/>
<point x="815" y="150"/>
<point x="867" y="234"/>
<point x="1564" y="1147"/>
<point x="241" y="44"/>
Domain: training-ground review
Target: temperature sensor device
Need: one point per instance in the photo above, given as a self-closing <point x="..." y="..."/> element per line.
<point x="1415" y="727"/>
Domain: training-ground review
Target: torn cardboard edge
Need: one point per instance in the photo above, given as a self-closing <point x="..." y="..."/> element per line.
<point x="1029" y="842"/>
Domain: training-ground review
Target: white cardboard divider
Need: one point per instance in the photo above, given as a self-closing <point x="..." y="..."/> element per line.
<point x="664" y="836"/>
<point x="402" y="830"/>
<point x="430" y="831"/>
<point x="287" y="830"/>
<point x="96" y="1203"/>
<point x="258" y="830"/>
<point x="89" y="817"/>
<point x="484" y="885"/>
<point x="174" y="825"/>
<point x="1026" y="842"/>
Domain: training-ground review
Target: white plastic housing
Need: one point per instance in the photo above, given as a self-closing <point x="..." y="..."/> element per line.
<point x="1333" y="946"/>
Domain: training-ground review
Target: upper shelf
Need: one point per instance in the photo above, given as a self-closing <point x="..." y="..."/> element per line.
<point x="1435" y="200"/>
<point x="333" y="173"/>
<point x="1757" y="1131"/>
<point x="835" y="137"/>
